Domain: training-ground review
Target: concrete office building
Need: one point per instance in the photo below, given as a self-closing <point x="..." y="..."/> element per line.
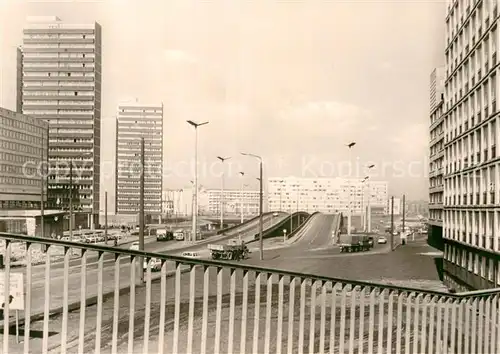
<point x="136" y="121"/>
<point x="436" y="146"/>
<point x="23" y="147"/>
<point x="326" y="195"/>
<point x="471" y="220"/>
<point x="61" y="79"/>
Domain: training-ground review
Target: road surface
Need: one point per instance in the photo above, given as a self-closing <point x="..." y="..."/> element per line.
<point x="312" y="253"/>
<point x="74" y="283"/>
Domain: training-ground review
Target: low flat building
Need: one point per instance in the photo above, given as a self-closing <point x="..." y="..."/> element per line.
<point x="28" y="222"/>
<point x="23" y="148"/>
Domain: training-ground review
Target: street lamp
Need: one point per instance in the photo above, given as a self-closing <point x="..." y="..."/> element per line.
<point x="281" y="192"/>
<point x="195" y="213"/>
<point x="363" y="220"/>
<point x="241" y="196"/>
<point x="221" y="199"/>
<point x="349" y="211"/>
<point x="368" y="211"/>
<point x="261" y="196"/>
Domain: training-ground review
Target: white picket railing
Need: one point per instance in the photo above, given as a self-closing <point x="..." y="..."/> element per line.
<point x="94" y="302"/>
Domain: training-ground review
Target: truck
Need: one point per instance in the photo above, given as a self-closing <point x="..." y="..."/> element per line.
<point x="355" y="243"/>
<point x="235" y="250"/>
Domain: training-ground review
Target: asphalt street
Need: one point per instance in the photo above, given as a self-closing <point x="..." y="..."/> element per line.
<point x="312" y="251"/>
<point x="57" y="268"/>
<point x="151" y="245"/>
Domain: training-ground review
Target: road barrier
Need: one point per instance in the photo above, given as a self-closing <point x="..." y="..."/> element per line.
<point x="246" y="222"/>
<point x="298" y="219"/>
<point x="225" y="307"/>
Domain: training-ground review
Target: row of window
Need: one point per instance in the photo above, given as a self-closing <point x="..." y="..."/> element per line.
<point x="473" y="262"/>
<point x="476" y="146"/>
<point x="471" y="111"/>
<point x="31" y="127"/>
<point x="51" y="85"/>
<point x="60" y="55"/>
<point x="57" y="93"/>
<point x="477" y="228"/>
<point x="469" y="28"/>
<point x="18" y="147"/>
<point x="57" y="65"/>
<point x="56" y="102"/>
<point x="19" y="181"/>
<point x="81" y="112"/>
<point x="21" y="137"/>
<point x="18" y="159"/>
<point x="58" y="45"/>
<point x="59" y="74"/>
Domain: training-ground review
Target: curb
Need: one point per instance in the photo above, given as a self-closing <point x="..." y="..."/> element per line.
<point x="90" y="301"/>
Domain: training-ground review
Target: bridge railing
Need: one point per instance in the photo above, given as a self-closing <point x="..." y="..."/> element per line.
<point x="93" y="302"/>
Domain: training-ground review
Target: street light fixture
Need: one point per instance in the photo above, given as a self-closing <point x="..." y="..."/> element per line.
<point x="195" y="212"/>
<point x="221" y="199"/>
<point x="349" y="211"/>
<point x="281" y="193"/>
<point x="368" y="211"/>
<point x="363" y="215"/>
<point x="261" y="196"/>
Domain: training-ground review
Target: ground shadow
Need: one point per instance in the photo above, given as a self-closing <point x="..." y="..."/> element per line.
<point x="33" y="333"/>
<point x="438" y="262"/>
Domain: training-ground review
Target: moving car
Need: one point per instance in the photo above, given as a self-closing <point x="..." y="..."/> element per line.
<point x="381" y="240"/>
<point x="165" y="236"/>
<point x="135" y="246"/>
<point x="179" y="235"/>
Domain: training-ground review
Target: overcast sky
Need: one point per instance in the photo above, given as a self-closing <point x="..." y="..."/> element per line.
<point x="293" y="81"/>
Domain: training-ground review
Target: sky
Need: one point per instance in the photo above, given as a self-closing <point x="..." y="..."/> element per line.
<point x="291" y="81"/>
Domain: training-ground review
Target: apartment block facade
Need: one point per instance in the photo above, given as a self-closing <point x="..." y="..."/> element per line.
<point x="233" y="202"/>
<point x="436" y="146"/>
<point x="471" y="218"/>
<point x="136" y="121"/>
<point x="61" y="83"/>
<point x="23" y="159"/>
<point x="326" y="195"/>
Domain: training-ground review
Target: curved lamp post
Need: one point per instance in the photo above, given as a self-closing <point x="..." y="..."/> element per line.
<point x="261" y="224"/>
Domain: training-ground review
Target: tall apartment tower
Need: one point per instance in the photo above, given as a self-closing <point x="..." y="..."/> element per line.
<point x="136" y="121"/>
<point x="436" y="145"/>
<point x="19" y="80"/>
<point x="61" y="79"/>
<point x="471" y="222"/>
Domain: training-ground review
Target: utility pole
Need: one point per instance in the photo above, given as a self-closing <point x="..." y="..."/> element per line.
<point x="106" y="217"/>
<point x="392" y="223"/>
<point x="71" y="200"/>
<point x="404" y="213"/>
<point x="261" y="204"/>
<point x="141" y="212"/>
<point x="42" y="191"/>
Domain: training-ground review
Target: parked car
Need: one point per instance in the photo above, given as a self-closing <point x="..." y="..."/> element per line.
<point x="155" y="264"/>
<point x="381" y="240"/>
<point x="135" y="246"/>
<point x="189" y="254"/>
